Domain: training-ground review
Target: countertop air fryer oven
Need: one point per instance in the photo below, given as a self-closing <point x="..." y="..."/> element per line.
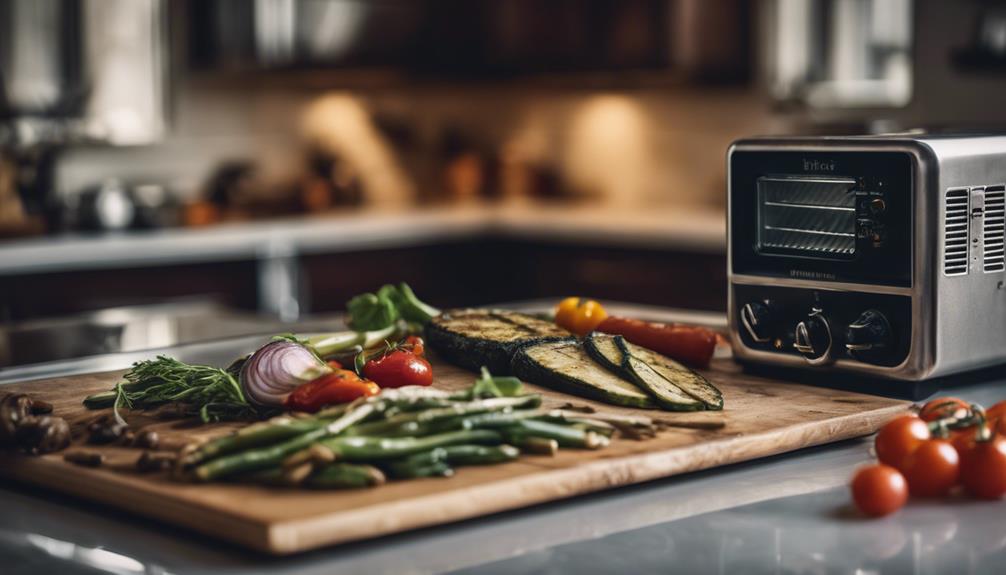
<point x="879" y="255"/>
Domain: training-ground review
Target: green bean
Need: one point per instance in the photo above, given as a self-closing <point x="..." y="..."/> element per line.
<point x="532" y="444"/>
<point x="405" y="471"/>
<point x="399" y="424"/>
<point x="272" y="455"/>
<point x="354" y="448"/>
<point x="564" y="435"/>
<point x="255" y="435"/>
<point x="335" y="476"/>
<point x="451" y="456"/>
<point x="343" y="475"/>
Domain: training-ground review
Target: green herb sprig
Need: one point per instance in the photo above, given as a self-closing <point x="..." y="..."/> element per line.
<point x="211" y="393"/>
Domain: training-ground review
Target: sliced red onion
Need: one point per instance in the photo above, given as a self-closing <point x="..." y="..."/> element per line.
<point x="278" y="368"/>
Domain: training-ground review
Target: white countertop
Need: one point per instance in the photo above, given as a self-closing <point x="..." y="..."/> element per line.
<point x="689" y="230"/>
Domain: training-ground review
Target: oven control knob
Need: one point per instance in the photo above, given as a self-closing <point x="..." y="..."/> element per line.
<point x="812" y="338"/>
<point x="869" y="337"/>
<point x="756" y="317"/>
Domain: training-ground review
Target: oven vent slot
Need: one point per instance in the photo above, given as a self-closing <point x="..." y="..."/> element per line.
<point x="955" y="232"/>
<point x="993" y="229"/>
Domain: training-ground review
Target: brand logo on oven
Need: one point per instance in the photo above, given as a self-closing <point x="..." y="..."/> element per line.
<point x="818" y="165"/>
<point x="806" y="275"/>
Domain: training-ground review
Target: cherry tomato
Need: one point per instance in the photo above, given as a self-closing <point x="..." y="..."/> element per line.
<point x="334" y="364"/>
<point x="899" y="438"/>
<point x="963" y="440"/>
<point x="932" y="469"/>
<point x="983" y="468"/>
<point x="996" y="416"/>
<point x="399" y="368"/>
<point x="579" y="315"/>
<point x="340" y="386"/>
<point x="879" y="490"/>
<point x="943" y="408"/>
<point x="416" y="345"/>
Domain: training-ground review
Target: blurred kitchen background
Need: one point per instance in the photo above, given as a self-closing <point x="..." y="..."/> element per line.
<point x="177" y="170"/>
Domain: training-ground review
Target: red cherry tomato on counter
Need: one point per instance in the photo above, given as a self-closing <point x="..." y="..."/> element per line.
<point x="899" y="438"/>
<point x="943" y="408"/>
<point x="983" y="467"/>
<point x="996" y="417"/>
<point x="399" y="368"/>
<point x="879" y="490"/>
<point x="932" y="469"/>
<point x="340" y="386"/>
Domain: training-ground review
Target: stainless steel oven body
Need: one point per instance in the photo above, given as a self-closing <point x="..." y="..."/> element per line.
<point x="879" y="255"/>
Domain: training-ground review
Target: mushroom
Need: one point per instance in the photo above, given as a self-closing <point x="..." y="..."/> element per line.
<point x="33" y="434"/>
<point x="14" y="409"/>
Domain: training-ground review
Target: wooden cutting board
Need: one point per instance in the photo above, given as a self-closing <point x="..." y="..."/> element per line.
<point x="761" y="417"/>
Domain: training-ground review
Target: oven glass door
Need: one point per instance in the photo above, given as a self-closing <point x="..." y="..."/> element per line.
<point x="836" y="216"/>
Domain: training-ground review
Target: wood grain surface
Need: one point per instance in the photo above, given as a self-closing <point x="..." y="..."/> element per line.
<point x="761" y="417"/>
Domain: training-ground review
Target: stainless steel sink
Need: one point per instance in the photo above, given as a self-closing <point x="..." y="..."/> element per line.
<point x="126" y="329"/>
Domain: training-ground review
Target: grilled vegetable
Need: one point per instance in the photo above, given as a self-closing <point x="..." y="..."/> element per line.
<point x="675" y="374"/>
<point x="606" y="351"/>
<point x="690" y="344"/>
<point x="669" y="395"/>
<point x="475" y="337"/>
<point x="340" y="386"/>
<point x="565" y="365"/>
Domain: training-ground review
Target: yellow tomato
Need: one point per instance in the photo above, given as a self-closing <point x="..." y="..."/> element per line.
<point x="578" y="315"/>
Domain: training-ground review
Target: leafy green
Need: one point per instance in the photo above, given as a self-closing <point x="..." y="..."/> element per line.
<point x="373" y="311"/>
<point x="409" y="306"/>
<point x="370" y="312"/>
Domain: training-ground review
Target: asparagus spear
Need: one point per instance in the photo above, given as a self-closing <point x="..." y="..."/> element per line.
<point x="335" y="476"/>
<point x="342" y="475"/>
<point x="532" y="444"/>
<point x="420" y="464"/>
<point x="564" y="435"/>
<point x="353" y="448"/>
<point x="399" y="424"/>
<point x="403" y="471"/>
<point x="306" y="431"/>
<point x="262" y="458"/>
<point x="255" y="435"/>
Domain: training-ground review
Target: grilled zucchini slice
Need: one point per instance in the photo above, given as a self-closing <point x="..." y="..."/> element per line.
<point x="681" y="377"/>
<point x="473" y="338"/>
<point x="565" y="366"/>
<point x="606" y="351"/>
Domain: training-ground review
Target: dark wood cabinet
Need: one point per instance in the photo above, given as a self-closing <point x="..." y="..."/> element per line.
<point x="451" y="274"/>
